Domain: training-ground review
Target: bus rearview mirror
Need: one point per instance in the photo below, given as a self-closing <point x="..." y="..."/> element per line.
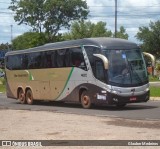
<point x="104" y="59"/>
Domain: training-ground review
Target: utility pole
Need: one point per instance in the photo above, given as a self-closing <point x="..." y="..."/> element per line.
<point x="11" y="36"/>
<point x="11" y="32"/>
<point x="115" y="18"/>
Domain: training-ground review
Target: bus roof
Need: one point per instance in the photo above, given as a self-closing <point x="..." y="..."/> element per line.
<point x="102" y="42"/>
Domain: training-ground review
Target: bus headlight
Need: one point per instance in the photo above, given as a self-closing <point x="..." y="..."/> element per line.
<point x="114" y="92"/>
<point x="147" y="89"/>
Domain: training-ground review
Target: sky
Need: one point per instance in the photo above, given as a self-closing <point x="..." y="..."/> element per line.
<point x="132" y="14"/>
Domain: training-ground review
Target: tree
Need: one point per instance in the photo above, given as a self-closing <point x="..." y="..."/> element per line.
<point x="29" y="12"/>
<point x="150" y="38"/>
<point x="60" y="13"/>
<point x="122" y="33"/>
<point x="5" y="46"/>
<point x="100" y="30"/>
<point x="28" y="40"/>
<point x="49" y="15"/>
<point x="84" y="29"/>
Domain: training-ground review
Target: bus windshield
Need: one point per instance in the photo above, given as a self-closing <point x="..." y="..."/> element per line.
<point x="126" y="67"/>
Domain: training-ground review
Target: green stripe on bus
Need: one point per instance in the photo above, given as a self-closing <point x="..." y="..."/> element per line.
<point x="66" y="82"/>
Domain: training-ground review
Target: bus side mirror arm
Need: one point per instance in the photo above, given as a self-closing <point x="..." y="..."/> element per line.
<point x="151" y="57"/>
<point x="104" y="59"/>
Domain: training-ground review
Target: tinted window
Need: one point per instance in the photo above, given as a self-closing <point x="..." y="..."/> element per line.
<point x="90" y="50"/>
<point x="100" y="71"/>
<point x="77" y="58"/>
<point x="24" y="61"/>
<point x="47" y="59"/>
<point x="14" y="62"/>
<point x="61" y="57"/>
<point x="68" y="58"/>
<point x="34" y="61"/>
<point x="9" y="62"/>
<point x="53" y="59"/>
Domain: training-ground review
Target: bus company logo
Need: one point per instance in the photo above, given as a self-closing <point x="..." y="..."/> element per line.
<point x="133" y="90"/>
<point x="6" y="143"/>
<point x="21" y="143"/>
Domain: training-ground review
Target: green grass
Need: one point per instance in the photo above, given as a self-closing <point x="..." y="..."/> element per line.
<point x="2" y="85"/>
<point x="153" y="79"/>
<point x="2" y="88"/>
<point x="154" y="91"/>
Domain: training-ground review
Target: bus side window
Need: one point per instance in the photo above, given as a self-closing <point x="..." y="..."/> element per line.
<point x="100" y="75"/>
<point x="77" y="58"/>
<point x="14" y="62"/>
<point x="68" y="58"/>
<point x="24" y="61"/>
<point x="34" y="60"/>
<point x="48" y="60"/>
<point x="53" y="59"/>
<point x="17" y="62"/>
<point x="43" y="60"/>
<point x="90" y="50"/>
<point x="60" y="57"/>
<point x="9" y="63"/>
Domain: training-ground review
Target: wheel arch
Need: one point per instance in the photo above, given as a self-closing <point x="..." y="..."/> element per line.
<point x="30" y="98"/>
<point x="28" y="88"/>
<point x="18" y="90"/>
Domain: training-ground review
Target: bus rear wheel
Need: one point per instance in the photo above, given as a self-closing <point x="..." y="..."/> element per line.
<point x="29" y="97"/>
<point x="21" y="96"/>
<point x="85" y="100"/>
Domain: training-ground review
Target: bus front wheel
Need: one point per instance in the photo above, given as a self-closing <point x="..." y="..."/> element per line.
<point x="85" y="100"/>
<point x="29" y="97"/>
<point x="21" y="96"/>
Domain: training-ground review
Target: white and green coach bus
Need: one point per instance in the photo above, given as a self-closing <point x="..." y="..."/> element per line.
<point x="88" y="71"/>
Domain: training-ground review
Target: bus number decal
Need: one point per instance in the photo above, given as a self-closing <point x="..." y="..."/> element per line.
<point x="101" y="97"/>
<point x="84" y="75"/>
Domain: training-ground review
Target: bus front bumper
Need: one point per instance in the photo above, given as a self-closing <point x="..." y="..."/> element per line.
<point x="117" y="99"/>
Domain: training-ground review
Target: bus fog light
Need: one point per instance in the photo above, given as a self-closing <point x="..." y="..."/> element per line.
<point x="115" y="99"/>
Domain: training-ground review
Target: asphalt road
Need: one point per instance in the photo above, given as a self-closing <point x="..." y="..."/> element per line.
<point x="147" y="111"/>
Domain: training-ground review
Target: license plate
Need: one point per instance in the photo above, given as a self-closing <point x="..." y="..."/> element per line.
<point x="133" y="99"/>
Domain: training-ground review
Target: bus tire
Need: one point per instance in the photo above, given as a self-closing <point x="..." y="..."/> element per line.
<point x="21" y="96"/>
<point x="29" y="97"/>
<point x="85" y="100"/>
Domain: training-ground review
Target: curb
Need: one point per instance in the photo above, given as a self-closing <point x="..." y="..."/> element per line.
<point x="155" y="98"/>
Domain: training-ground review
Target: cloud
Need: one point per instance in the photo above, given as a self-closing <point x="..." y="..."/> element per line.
<point x="6" y="20"/>
<point x="131" y="14"/>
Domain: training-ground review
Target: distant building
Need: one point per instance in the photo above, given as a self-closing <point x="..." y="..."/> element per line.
<point x="2" y="54"/>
